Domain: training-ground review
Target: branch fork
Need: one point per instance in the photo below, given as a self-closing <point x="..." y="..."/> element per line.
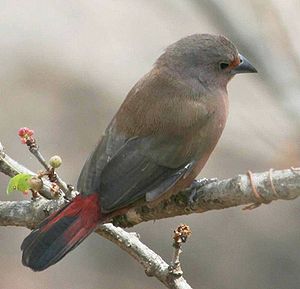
<point x="220" y="194"/>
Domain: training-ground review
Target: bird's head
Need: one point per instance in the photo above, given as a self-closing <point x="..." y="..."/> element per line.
<point x="205" y="59"/>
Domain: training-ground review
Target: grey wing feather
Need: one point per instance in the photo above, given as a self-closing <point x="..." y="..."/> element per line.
<point x="132" y="173"/>
<point x="124" y="170"/>
<point x="108" y="146"/>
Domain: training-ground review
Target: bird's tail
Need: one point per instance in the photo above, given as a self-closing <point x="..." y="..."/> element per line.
<point x="61" y="232"/>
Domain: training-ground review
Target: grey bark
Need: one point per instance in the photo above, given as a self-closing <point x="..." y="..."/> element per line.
<point x="272" y="185"/>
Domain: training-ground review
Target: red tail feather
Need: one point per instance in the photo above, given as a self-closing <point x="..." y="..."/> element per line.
<point x="61" y="232"/>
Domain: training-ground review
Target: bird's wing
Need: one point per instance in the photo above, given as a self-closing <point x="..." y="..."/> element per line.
<point x="136" y="171"/>
<point x="107" y="147"/>
<point x="148" y="162"/>
<point x="124" y="170"/>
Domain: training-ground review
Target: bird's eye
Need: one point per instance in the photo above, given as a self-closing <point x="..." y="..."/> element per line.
<point x="223" y="65"/>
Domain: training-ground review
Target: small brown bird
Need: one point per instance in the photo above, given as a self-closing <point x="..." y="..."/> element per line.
<point x="155" y="146"/>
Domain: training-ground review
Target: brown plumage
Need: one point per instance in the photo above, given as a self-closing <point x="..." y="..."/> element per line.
<point x="156" y="144"/>
<point x="171" y="120"/>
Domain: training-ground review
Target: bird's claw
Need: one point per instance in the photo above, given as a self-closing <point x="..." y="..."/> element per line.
<point x="195" y="186"/>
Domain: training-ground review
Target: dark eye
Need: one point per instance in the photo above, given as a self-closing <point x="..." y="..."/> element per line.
<point x="223" y="65"/>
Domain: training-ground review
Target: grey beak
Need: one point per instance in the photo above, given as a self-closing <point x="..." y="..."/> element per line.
<point x="244" y="67"/>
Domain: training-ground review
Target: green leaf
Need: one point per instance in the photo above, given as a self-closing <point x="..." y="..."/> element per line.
<point x="18" y="183"/>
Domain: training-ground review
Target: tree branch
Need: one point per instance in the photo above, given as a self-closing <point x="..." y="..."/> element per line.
<point x="214" y="196"/>
<point x="30" y="213"/>
<point x="240" y="190"/>
<point x="221" y="194"/>
<point x="153" y="264"/>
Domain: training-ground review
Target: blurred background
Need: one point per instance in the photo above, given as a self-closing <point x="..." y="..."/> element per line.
<point x="66" y="66"/>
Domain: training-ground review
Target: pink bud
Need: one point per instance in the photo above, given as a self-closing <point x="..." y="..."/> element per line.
<point x="25" y="134"/>
<point x="22" y="131"/>
<point x="25" y="131"/>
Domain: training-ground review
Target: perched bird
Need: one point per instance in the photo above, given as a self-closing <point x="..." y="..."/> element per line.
<point x="155" y="146"/>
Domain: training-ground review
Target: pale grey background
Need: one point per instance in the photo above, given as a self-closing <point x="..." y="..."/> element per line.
<point x="65" y="68"/>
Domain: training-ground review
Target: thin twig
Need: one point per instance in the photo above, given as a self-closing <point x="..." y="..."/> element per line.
<point x="153" y="264"/>
<point x="34" y="149"/>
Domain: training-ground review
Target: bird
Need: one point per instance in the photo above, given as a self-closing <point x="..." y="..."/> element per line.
<point x="155" y="146"/>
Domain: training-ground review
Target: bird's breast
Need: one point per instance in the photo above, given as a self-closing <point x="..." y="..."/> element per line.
<point x="206" y="129"/>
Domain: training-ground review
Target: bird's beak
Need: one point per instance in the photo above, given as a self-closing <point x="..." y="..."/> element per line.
<point x="244" y="67"/>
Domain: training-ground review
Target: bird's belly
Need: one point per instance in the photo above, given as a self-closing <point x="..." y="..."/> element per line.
<point x="204" y="141"/>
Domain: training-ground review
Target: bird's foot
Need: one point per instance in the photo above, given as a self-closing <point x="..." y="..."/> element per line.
<point x="202" y="182"/>
<point x="195" y="186"/>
